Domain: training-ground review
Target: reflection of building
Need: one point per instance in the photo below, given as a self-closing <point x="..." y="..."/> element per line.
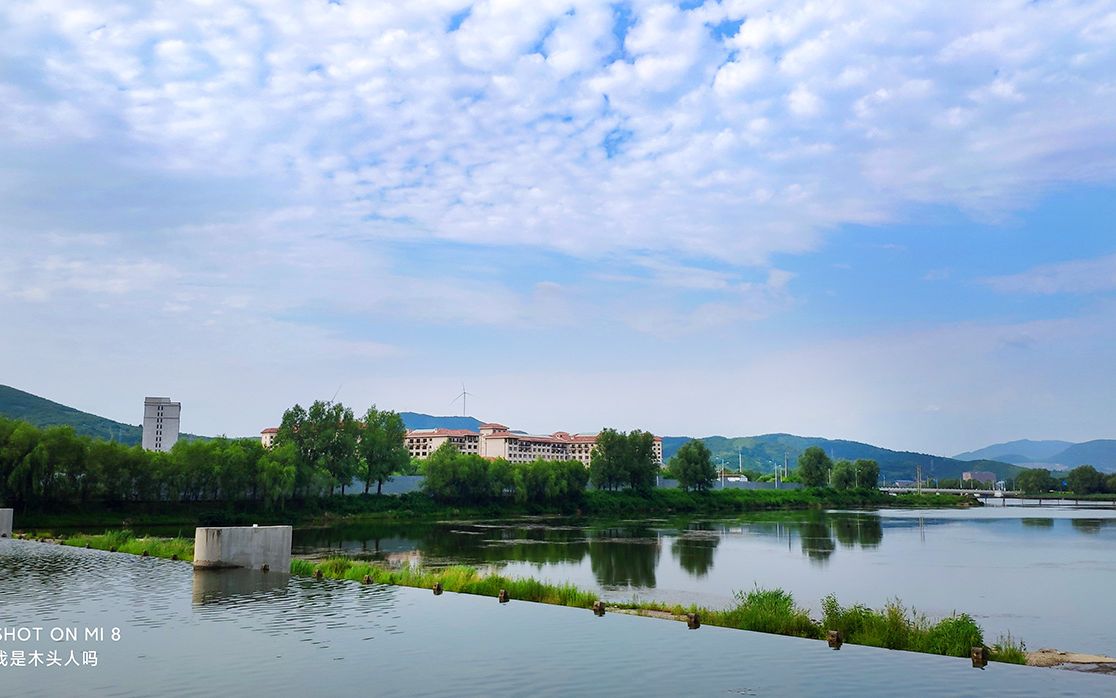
<point x="267" y="436"/>
<point x="978" y="476"/>
<point x="160" y="423"/>
<point x="496" y="441"/>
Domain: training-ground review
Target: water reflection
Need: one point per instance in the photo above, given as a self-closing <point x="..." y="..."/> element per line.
<point x="694" y="550"/>
<point x="619" y="555"/>
<point x="223" y="587"/>
<point x="1092" y="525"/>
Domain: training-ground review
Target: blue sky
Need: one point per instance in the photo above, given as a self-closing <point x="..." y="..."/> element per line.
<point x="826" y="218"/>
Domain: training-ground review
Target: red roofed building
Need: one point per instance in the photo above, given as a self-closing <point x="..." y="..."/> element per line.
<point x="267" y="436"/>
<point x="493" y="440"/>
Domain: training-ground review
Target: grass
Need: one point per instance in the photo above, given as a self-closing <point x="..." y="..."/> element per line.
<point x="126" y="542"/>
<point x="760" y="610"/>
<point x="896" y="627"/>
<point x="1009" y="650"/>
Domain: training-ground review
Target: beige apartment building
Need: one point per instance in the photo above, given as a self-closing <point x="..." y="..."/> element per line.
<point x="493" y="440"/>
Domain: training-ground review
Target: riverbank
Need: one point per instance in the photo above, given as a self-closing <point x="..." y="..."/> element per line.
<point x="417" y="506"/>
<point x="759" y="610"/>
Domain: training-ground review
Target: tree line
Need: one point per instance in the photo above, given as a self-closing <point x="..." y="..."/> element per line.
<point x="41" y="468"/>
<point x="1084" y="479"/>
<point x="317" y="451"/>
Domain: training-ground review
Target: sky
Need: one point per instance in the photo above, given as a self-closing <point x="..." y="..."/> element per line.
<point x="844" y="218"/>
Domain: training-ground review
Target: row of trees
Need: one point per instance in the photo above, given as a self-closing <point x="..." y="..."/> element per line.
<point x="1084" y="479"/>
<point x="466" y="478"/>
<point x="816" y="469"/>
<point x="47" y="467"/>
<point x="317" y="451"/>
<point x="330" y="444"/>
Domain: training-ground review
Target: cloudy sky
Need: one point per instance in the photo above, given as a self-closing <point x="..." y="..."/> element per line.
<point x="840" y="218"/>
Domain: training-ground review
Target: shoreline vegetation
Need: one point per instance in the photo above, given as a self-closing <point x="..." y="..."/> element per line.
<point x="759" y="610"/>
<point x="419" y="506"/>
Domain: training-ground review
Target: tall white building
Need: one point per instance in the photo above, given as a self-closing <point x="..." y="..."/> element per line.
<point x="160" y="423"/>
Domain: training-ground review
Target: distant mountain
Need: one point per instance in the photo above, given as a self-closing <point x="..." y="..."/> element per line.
<point x="1022" y="451"/>
<point x="17" y="404"/>
<point x="765" y="451"/>
<point x="417" y="420"/>
<point x="1101" y="454"/>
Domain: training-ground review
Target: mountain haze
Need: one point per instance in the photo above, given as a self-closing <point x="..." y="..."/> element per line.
<point x="1021" y="451"/>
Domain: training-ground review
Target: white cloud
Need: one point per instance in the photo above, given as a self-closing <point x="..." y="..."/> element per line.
<point x="1076" y="276"/>
<point x="379" y="116"/>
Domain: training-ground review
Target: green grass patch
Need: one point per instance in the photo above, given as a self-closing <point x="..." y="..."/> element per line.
<point x="127" y="542"/>
<point x="1009" y="650"/>
<point x="898" y="628"/>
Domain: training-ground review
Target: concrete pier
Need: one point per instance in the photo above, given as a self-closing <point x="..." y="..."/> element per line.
<point x="248" y="547"/>
<point x="6" y="523"/>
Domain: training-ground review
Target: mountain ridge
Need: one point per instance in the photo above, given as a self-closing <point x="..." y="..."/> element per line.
<point x="760" y="452"/>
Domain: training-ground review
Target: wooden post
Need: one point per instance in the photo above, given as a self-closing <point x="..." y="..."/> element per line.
<point x="979" y="656"/>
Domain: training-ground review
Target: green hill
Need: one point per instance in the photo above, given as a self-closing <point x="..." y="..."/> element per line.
<point x="17" y="404"/>
<point x="765" y="451"/>
<point x="41" y="412"/>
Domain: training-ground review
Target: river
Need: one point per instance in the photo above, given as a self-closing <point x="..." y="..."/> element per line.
<point x="169" y="631"/>
<point x="1040" y="574"/>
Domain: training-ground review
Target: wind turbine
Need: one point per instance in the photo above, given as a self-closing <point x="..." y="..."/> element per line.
<point x="463" y="398"/>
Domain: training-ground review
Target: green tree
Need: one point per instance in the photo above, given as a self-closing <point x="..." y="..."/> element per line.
<point x="606" y="463"/>
<point x="1084" y="479"/>
<point x="639" y="463"/>
<point x="1034" y="481"/>
<point x="867" y="473"/>
<point x="276" y="476"/>
<point x="813" y="467"/>
<point x="843" y="476"/>
<point x="382" y="447"/>
<point x="325" y="437"/>
<point x="693" y="466"/>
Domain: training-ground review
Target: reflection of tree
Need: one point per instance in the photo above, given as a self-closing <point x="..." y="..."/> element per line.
<point x="624" y="557"/>
<point x="1091" y="525"/>
<point x="816" y="542"/>
<point x="460" y="543"/>
<point x="1038" y="523"/>
<point x="695" y="555"/>
<point x="861" y="529"/>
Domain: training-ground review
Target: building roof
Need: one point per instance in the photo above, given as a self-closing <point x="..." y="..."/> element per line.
<point x="492" y="425"/>
<point x="270" y="430"/>
<point x="439" y="431"/>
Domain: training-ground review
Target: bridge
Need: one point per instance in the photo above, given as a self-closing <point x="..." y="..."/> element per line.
<point x="951" y="490"/>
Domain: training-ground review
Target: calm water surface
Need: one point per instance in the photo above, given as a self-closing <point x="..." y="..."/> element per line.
<point x="1042" y="574"/>
<point x="222" y="633"/>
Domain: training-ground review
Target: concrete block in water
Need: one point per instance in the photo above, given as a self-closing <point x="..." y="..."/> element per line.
<point x="5" y="523"/>
<point x="249" y="547"/>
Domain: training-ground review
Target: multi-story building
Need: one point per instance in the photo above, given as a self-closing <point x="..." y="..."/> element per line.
<point x="267" y="436"/>
<point x="160" y="423"/>
<point x="497" y="441"/>
<point x="978" y="476"/>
